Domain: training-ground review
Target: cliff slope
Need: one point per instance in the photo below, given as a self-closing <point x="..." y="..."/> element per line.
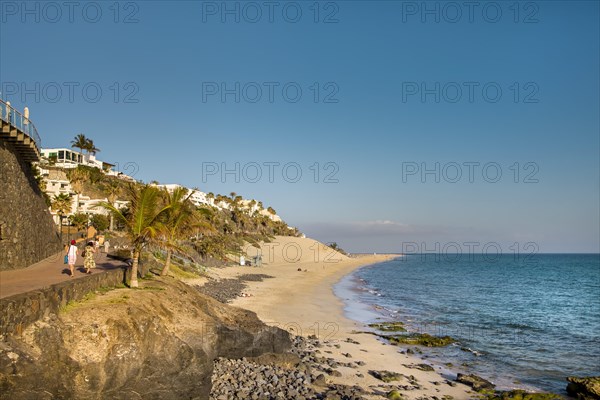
<point x="156" y="342"/>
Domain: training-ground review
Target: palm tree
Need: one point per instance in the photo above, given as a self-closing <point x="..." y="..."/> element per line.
<point x="80" y="142"/>
<point x="90" y="147"/>
<point x="79" y="221"/>
<point x="178" y="221"/>
<point x="77" y="177"/>
<point x="142" y="222"/>
<point x="112" y="190"/>
<point x="62" y="204"/>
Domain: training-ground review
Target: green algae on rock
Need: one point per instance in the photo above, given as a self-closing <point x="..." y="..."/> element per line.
<point x="394" y="395"/>
<point x="421" y="339"/>
<point x="584" y="388"/>
<point x="396" y="326"/>
<point x="421" y="367"/>
<point x="476" y="382"/>
<point x="520" y="395"/>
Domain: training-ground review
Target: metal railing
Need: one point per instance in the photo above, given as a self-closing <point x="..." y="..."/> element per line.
<point x="16" y="119"/>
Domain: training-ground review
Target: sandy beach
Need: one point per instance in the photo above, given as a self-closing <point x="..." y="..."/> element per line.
<point x="300" y="298"/>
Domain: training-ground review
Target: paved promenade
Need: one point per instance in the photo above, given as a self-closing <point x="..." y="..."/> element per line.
<point x="48" y="272"/>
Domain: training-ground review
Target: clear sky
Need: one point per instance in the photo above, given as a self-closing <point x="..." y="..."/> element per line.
<point x="399" y="115"/>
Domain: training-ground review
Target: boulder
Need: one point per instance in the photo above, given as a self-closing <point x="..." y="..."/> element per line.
<point x="474" y="381"/>
<point x="386" y="376"/>
<point x="422" y="367"/>
<point x="584" y="388"/>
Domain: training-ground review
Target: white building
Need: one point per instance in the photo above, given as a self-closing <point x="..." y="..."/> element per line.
<point x="57" y="184"/>
<point x="88" y="205"/>
<point x="68" y="158"/>
<point x="199" y="199"/>
<point x="80" y="203"/>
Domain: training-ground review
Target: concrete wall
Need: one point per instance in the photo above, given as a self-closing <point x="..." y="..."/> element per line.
<point x="27" y="232"/>
<point x="18" y="311"/>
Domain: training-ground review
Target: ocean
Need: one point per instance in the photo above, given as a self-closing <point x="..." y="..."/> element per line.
<point x="520" y="323"/>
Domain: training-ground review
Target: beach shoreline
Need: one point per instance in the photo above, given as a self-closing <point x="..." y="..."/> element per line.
<point x="299" y="296"/>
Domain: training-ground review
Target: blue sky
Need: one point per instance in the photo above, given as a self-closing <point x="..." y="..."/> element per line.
<point x="379" y="103"/>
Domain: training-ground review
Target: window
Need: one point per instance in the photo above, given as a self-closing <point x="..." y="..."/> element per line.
<point x="61" y="155"/>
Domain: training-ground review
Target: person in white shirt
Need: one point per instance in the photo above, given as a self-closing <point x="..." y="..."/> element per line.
<point x="72" y="253"/>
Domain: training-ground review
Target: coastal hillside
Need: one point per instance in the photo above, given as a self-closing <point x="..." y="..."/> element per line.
<point x="158" y="341"/>
<point x="215" y="226"/>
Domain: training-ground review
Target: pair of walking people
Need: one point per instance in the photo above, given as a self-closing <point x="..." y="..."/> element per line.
<point x="88" y="257"/>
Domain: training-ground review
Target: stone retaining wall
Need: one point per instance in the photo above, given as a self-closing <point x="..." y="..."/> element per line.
<point x="27" y="232"/>
<point x="18" y="311"/>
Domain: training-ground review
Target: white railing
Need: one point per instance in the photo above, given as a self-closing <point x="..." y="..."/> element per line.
<point x="16" y="119"/>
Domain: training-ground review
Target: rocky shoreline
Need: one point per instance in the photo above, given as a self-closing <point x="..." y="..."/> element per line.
<point x="301" y="374"/>
<point x="308" y="372"/>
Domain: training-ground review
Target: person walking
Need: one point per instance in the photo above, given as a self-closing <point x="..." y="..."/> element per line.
<point x="88" y="257"/>
<point x="106" y="246"/>
<point x="72" y="256"/>
<point x="97" y="250"/>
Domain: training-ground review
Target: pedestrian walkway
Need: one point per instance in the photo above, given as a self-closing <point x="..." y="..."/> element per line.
<point x="49" y="272"/>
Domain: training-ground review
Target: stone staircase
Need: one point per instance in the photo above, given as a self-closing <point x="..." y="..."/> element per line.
<point x="20" y="131"/>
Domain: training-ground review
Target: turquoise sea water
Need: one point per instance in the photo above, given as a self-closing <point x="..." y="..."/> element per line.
<point x="520" y="323"/>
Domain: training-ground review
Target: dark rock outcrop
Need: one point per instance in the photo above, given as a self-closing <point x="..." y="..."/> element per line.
<point x="157" y="342"/>
<point x="474" y="381"/>
<point x="422" y="367"/>
<point x="27" y="232"/>
<point x="387" y="376"/>
<point x="584" y="388"/>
